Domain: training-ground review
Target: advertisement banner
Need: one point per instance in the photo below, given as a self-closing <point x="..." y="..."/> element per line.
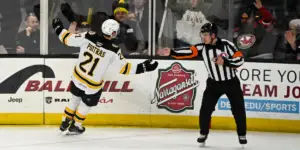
<point x="13" y="85"/>
<point x="175" y="88"/>
<point x="178" y="88"/>
<point x="272" y="106"/>
<point x="270" y="90"/>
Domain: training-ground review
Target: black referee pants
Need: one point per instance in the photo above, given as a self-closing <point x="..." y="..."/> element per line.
<point x="214" y="90"/>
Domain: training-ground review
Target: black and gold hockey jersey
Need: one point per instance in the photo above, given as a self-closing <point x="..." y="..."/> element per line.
<point x="96" y="55"/>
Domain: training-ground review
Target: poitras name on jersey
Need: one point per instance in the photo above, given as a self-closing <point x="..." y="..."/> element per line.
<point x="95" y="50"/>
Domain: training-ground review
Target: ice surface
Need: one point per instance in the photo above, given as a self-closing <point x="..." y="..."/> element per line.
<point x="95" y="138"/>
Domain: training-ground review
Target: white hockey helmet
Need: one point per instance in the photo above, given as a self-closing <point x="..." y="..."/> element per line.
<point x="110" y="28"/>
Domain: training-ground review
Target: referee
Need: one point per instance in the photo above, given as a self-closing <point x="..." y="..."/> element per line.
<point x="221" y="59"/>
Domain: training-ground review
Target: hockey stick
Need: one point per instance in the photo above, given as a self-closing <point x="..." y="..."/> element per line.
<point x="162" y="25"/>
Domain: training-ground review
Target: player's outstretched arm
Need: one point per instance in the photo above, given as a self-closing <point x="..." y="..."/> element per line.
<point x="69" y="39"/>
<point x="146" y="66"/>
<point x="126" y="68"/>
<point x="67" y="11"/>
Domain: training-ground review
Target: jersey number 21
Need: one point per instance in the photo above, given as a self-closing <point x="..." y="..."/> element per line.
<point x="90" y="59"/>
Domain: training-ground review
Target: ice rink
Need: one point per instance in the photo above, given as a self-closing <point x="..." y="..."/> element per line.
<point x="96" y="138"/>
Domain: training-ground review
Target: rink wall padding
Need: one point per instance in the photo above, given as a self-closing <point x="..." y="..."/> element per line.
<point x="21" y="118"/>
<point x="35" y="91"/>
<point x="161" y="121"/>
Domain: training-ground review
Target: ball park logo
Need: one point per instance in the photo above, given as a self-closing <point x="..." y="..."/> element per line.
<point x="175" y="88"/>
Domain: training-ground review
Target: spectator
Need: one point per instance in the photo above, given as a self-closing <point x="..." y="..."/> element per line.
<point x="293" y="39"/>
<point x="139" y="37"/>
<point x="120" y="11"/>
<point x="288" y="11"/>
<point x="28" y="40"/>
<point x="190" y="15"/>
<point x="141" y="12"/>
<point x="254" y="35"/>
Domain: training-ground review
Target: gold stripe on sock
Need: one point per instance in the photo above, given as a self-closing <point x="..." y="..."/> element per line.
<point x="79" y="115"/>
<point x="68" y="116"/>
<point x="78" y="120"/>
<point x="69" y="113"/>
<point x="69" y="110"/>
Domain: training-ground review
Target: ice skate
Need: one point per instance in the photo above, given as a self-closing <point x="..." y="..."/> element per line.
<point x="65" y="124"/>
<point x="202" y="139"/>
<point x="243" y="141"/>
<point x="75" y="130"/>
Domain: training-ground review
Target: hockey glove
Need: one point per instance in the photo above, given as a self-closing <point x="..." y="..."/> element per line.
<point x="146" y="66"/>
<point x="57" y="25"/>
<point x="67" y="12"/>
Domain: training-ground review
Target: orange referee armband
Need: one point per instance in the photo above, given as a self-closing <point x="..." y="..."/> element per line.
<point x="194" y="54"/>
<point x="237" y="54"/>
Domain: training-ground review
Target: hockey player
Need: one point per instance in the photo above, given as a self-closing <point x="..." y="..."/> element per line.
<point x="97" y="54"/>
<point x="221" y="59"/>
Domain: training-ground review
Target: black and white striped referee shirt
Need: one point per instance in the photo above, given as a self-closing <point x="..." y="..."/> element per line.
<point x="232" y="58"/>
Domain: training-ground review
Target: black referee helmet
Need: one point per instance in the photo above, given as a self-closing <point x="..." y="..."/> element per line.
<point x="210" y="28"/>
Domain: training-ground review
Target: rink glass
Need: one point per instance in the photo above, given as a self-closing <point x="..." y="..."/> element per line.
<point x="162" y="24"/>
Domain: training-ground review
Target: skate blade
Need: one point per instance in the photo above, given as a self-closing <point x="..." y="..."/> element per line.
<point x="202" y="144"/>
<point x="243" y="146"/>
<point x="72" y="133"/>
<point x="67" y="132"/>
<point x="64" y="132"/>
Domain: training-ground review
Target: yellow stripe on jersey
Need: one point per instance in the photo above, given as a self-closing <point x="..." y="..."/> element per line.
<point x="126" y="69"/>
<point x="65" y="40"/>
<point x="89" y="80"/>
<point x="89" y="83"/>
<point x="123" y="69"/>
<point x="63" y="35"/>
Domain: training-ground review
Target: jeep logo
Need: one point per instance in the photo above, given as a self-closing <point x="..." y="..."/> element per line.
<point x="15" y="100"/>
